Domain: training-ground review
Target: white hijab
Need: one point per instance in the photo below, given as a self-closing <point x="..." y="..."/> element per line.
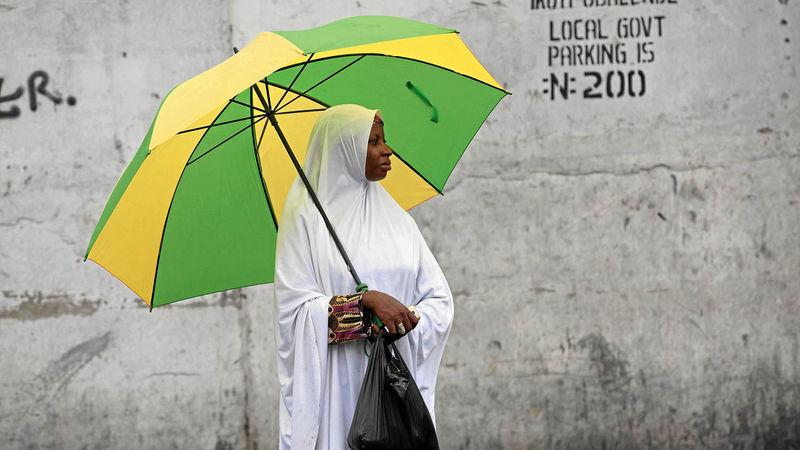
<point x="320" y="383"/>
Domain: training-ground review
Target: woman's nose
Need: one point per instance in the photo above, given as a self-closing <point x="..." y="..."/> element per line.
<point x="387" y="151"/>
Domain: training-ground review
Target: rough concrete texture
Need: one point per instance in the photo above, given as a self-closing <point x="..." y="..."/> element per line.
<point x="625" y="268"/>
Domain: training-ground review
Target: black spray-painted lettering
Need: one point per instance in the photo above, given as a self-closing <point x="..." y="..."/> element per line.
<point x="636" y="27"/>
<point x="549" y="5"/>
<point x="14" y="110"/>
<point x="586" y="54"/>
<point x="42" y="78"/>
<point x="37" y="86"/>
<point x="577" y="30"/>
<point x="610" y="84"/>
<point x="612" y="3"/>
<point x="612" y="46"/>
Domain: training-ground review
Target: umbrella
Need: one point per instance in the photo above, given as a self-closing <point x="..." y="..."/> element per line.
<point x="197" y="209"/>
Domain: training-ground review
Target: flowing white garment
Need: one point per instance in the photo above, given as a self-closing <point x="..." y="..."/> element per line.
<point x="320" y="382"/>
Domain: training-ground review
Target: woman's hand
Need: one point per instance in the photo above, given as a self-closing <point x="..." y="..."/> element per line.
<point x="391" y="312"/>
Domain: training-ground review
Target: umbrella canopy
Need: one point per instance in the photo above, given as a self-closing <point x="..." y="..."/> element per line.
<point x="197" y="209"/>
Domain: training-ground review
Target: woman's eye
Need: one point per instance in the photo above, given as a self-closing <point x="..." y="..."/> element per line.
<point x="373" y="141"/>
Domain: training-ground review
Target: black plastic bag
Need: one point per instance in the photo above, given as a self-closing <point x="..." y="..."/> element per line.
<point x="390" y="412"/>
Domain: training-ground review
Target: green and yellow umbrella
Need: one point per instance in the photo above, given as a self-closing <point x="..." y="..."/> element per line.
<point x="197" y="209"/>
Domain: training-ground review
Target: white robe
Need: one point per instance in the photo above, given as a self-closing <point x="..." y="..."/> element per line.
<point x="320" y="382"/>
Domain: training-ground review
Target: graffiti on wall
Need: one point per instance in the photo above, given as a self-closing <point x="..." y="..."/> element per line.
<point x="36" y="88"/>
<point x="602" y="49"/>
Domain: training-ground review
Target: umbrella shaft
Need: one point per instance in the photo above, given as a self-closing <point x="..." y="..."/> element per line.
<point x="274" y="121"/>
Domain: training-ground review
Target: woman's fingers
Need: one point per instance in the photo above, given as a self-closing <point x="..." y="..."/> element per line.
<point x="407" y="324"/>
<point x="392" y="313"/>
<point x="413" y="319"/>
<point x="400" y="324"/>
<point x="406" y="319"/>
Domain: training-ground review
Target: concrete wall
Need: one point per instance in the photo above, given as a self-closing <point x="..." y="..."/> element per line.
<point x="625" y="268"/>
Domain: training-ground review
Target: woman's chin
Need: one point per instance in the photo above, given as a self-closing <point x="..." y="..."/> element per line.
<point x="379" y="174"/>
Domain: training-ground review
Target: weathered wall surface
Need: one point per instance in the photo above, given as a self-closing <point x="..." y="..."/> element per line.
<point x="621" y="237"/>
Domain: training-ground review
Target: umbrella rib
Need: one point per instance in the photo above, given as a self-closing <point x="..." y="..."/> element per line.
<point x="260" y="138"/>
<point x="269" y="100"/>
<point x="264" y="102"/>
<point x="407" y="59"/>
<point x="324" y="80"/>
<point x="300" y="111"/>
<point x="218" y="124"/>
<point x="226" y="140"/>
<point x="280" y="86"/>
<point x="249" y="106"/>
<point x="258" y="165"/>
<point x="260" y="95"/>
<point x="416" y="171"/>
<point x="277" y="105"/>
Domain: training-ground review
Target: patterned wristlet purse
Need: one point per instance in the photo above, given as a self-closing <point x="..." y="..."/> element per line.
<point x="347" y="320"/>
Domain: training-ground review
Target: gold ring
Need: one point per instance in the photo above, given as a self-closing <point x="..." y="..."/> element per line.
<point x="414" y="311"/>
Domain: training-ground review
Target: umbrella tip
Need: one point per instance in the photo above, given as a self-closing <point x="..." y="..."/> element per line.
<point x="235" y="50"/>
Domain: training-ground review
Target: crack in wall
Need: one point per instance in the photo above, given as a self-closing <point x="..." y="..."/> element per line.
<point x="245" y="330"/>
<point x="505" y="177"/>
<point x="173" y="374"/>
<point x="21" y="219"/>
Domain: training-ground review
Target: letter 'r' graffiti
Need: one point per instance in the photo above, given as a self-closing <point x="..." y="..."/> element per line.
<point x="37" y="86"/>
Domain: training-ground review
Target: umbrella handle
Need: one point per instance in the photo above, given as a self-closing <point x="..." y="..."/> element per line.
<point x="364" y="288"/>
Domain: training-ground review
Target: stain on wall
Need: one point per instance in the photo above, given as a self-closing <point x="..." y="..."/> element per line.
<point x="59" y="371"/>
<point x="38" y="305"/>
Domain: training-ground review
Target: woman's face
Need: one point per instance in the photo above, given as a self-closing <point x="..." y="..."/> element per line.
<point x="378" y="153"/>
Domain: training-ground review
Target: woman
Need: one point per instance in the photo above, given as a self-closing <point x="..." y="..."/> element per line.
<point x="320" y="369"/>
